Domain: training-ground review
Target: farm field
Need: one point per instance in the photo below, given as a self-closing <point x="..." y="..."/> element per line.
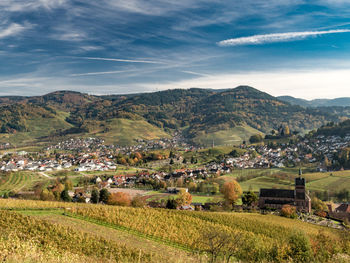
<point x="122" y="238"/>
<point x="19" y="181"/>
<point x="259" y="238"/>
<point x="284" y="178"/>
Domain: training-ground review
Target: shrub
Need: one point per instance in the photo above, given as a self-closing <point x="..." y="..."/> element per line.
<point x="288" y="211"/>
<point x="300" y="247"/>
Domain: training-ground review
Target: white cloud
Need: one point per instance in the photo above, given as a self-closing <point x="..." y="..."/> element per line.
<point x="277" y="37"/>
<point x="12" y="30"/>
<point x="100" y="73"/>
<point x="29" y="5"/>
<point x="124" y="60"/>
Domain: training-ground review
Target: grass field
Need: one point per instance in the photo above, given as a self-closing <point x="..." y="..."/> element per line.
<point x="38" y="127"/>
<point x="233" y="136"/>
<point x="284" y="178"/>
<point x="168" y="235"/>
<point x="18" y="181"/>
<point x="125" y="131"/>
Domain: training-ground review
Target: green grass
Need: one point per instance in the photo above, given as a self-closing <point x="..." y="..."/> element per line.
<point x="332" y="181"/>
<point x="233" y="136"/>
<point x="19" y="181"/>
<point x="125" y="131"/>
<point x="38" y="127"/>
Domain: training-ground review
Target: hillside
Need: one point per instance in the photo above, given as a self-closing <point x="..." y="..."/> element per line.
<point x="338" y="129"/>
<point x="226" y="116"/>
<point x="338" y="102"/>
<point x="96" y="233"/>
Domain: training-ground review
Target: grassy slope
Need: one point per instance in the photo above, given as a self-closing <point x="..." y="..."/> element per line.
<point x="19" y="181"/>
<point x="332" y="181"/>
<point x="38" y="127"/>
<point x="233" y="136"/>
<point x="125" y="131"/>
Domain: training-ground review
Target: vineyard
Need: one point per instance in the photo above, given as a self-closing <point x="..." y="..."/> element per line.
<point x="16" y="181"/>
<point x="262" y="238"/>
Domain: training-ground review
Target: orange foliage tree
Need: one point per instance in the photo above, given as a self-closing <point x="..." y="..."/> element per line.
<point x="119" y="198"/>
<point x="231" y="191"/>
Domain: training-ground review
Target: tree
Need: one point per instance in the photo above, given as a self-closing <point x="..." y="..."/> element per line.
<point x="249" y="198"/>
<point x="184" y="161"/>
<point x="171" y="204"/>
<point x="104" y="195"/>
<point x="95" y="196"/>
<point x="213" y="242"/>
<point x="119" y="198"/>
<point x="256" y="138"/>
<point x="234" y="153"/>
<point x="231" y="191"/>
<point x="65" y="196"/>
<point x="318" y="205"/>
<point x="184" y="198"/>
<point x="68" y="184"/>
<point x="47" y="195"/>
<point x="171" y="161"/>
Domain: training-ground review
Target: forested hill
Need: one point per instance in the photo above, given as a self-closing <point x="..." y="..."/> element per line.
<point x="338" y="102"/>
<point x="195" y="112"/>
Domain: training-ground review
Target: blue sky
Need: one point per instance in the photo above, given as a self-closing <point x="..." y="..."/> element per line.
<point x="284" y="47"/>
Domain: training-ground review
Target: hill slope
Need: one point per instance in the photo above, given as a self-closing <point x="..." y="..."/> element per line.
<point x="202" y="115"/>
<point x="342" y="102"/>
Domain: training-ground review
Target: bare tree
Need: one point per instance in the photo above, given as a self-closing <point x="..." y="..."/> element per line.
<point x="214" y="242"/>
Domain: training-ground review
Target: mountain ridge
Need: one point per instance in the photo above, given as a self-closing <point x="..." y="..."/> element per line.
<point x="196" y="113"/>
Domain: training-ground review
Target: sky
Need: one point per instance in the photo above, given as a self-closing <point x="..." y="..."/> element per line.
<point x="284" y="47"/>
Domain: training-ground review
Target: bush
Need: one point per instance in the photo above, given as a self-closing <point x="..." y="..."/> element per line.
<point x="288" y="211"/>
<point x="300" y="248"/>
<point x="138" y="201"/>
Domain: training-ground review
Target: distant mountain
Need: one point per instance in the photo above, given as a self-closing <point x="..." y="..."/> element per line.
<point x="201" y="115"/>
<point x="342" y="102"/>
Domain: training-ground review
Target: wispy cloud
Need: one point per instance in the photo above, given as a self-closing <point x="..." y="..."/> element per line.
<point x="12" y="30"/>
<point x="278" y="37"/>
<point x="124" y="60"/>
<point x="100" y="73"/>
<point x="196" y="73"/>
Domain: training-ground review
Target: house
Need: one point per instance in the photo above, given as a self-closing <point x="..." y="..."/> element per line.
<point x="340" y="211"/>
<point x="276" y="198"/>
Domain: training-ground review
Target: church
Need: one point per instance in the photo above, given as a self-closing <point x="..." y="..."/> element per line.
<point x="276" y="198"/>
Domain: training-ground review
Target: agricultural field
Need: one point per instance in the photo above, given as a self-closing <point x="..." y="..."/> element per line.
<point x="254" y="179"/>
<point x="231" y="136"/>
<point x="124" y="234"/>
<point x="18" y="181"/>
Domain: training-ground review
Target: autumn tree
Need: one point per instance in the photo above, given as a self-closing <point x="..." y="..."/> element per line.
<point x="119" y="198"/>
<point x="231" y="191"/>
<point x="184" y="198"/>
